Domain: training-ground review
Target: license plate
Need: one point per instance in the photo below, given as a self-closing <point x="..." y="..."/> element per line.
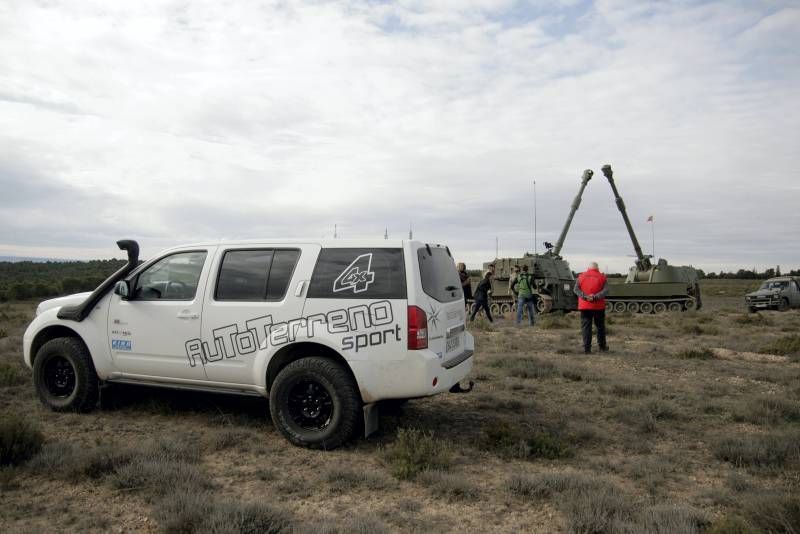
<point x="452" y="344"/>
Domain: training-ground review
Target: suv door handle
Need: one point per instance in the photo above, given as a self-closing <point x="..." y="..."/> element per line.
<point x="187" y="314"/>
<point x="300" y="287"/>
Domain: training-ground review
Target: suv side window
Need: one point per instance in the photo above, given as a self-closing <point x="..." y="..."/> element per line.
<point x="254" y="275"/>
<point x="173" y="277"/>
<point x="359" y="273"/>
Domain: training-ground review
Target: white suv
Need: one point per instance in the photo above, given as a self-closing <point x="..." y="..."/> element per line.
<point x="323" y="329"/>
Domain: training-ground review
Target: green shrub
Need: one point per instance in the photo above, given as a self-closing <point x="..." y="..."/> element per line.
<point x="526" y="367"/>
<point x="415" y="451"/>
<point x="20" y="440"/>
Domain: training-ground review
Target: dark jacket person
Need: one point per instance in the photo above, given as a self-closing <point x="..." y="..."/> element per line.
<point x="482" y="297"/>
<point x="592" y="288"/>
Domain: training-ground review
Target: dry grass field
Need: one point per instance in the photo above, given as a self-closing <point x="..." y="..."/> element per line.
<point x="690" y="424"/>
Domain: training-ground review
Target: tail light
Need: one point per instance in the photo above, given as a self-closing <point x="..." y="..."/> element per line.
<point x="417" y="328"/>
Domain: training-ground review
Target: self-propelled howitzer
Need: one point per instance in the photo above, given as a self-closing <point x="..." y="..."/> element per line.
<point x="651" y="288"/>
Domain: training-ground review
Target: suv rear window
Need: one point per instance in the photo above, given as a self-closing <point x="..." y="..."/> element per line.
<point x="438" y="273"/>
<point x="359" y="273"/>
<point x="254" y="275"/>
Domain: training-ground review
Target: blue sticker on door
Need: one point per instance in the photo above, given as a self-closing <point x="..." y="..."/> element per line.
<point x="121" y="344"/>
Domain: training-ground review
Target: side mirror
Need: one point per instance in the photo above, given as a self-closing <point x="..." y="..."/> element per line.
<point x="122" y="289"/>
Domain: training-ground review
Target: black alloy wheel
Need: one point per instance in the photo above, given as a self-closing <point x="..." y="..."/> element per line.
<point x="310" y="404"/>
<point x="59" y="377"/>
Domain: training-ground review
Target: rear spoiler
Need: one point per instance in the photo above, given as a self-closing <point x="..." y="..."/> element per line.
<point x="81" y="311"/>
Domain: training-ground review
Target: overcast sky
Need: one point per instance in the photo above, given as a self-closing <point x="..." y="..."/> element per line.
<point x="175" y="122"/>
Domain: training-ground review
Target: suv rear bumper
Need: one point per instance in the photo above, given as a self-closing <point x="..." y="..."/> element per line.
<point x="413" y="376"/>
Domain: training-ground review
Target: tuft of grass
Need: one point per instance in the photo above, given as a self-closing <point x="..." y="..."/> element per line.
<point x="527" y="367"/>
<point x="730" y="525"/>
<point x="3" y="333"/>
<point x="767" y="450"/>
<point x="415" y="451"/>
<point x="188" y="512"/>
<point x="696" y="354"/>
<point x="481" y="324"/>
<point x="12" y="375"/>
<point x="753" y="319"/>
<point x="343" y="479"/>
<point x="20" y="440"/>
<point x="645" y="416"/>
<point x="450" y="486"/>
<point x="553" y="321"/>
<point x="771" y="512"/>
<point x="769" y="410"/>
<point x="627" y="389"/>
<point x="523" y="443"/>
<point x="784" y="346"/>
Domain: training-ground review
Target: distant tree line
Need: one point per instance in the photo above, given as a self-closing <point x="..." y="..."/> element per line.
<point x="749" y="274"/>
<point x="26" y="280"/>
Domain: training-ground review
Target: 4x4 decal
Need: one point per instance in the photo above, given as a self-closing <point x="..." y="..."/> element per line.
<point x="357" y="276"/>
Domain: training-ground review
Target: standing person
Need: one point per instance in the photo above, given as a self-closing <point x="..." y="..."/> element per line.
<point x="466" y="285"/>
<point x="482" y="296"/>
<point x="592" y="288"/>
<point x="512" y="283"/>
<point x="524" y="288"/>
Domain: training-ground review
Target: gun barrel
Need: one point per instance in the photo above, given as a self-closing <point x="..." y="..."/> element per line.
<point x="587" y="175"/>
<point x="609" y="174"/>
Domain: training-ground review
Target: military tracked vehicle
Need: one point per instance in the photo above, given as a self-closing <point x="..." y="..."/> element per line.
<point x="651" y="288"/>
<point x="553" y="280"/>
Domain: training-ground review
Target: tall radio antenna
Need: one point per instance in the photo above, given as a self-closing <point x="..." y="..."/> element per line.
<point x="535" y="237"/>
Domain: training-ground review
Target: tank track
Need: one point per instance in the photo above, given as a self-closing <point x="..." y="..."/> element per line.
<point x="504" y="304"/>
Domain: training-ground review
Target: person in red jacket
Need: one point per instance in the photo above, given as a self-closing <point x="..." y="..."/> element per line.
<point x="592" y="288"/>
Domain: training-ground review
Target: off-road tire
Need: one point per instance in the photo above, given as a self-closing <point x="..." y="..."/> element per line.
<point x="751" y="309"/>
<point x="331" y="379"/>
<point x="64" y="376"/>
<point x="784" y="305"/>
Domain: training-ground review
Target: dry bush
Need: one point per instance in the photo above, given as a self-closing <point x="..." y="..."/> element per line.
<point x="553" y="321"/>
<point x="13" y="375"/>
<point x="753" y="319"/>
<point x="523" y="443"/>
<point x="772" y="512"/>
<point x="450" y="486"/>
<point x="529" y="367"/>
<point x="760" y="450"/>
<point x="696" y="354"/>
<point x="415" y="451"/>
<point x="769" y="410"/>
<point x="20" y="440"/>
<point x="784" y="346"/>
<point x="343" y="479"/>
<point x="187" y="512"/>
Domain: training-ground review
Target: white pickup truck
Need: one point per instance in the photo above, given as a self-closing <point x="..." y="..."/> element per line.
<point x="323" y="329"/>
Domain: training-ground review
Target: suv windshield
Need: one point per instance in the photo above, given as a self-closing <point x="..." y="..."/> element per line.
<point x="438" y="273"/>
<point x="774" y="286"/>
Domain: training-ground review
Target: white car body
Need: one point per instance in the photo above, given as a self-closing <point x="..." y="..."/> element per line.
<point x="208" y="343"/>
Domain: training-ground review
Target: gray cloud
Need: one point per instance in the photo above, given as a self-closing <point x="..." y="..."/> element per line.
<point x="201" y="120"/>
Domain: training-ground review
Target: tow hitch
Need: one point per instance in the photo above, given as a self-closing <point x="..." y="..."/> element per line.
<point x="458" y="389"/>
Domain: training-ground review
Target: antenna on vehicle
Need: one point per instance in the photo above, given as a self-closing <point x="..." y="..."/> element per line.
<point x="335" y="232"/>
<point x="410" y="233"/>
<point x="535" y="239"/>
<point x="386" y="233"/>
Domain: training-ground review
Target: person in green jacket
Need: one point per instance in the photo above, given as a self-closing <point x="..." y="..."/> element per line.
<point x="524" y="289"/>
